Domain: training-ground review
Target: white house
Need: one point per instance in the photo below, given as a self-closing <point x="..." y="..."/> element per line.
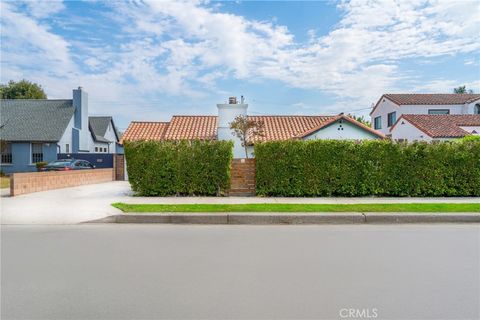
<point x="390" y="107"/>
<point x="276" y="127"/>
<point x="424" y="127"/>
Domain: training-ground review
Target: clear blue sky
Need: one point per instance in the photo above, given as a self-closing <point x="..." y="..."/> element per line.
<point x="148" y="60"/>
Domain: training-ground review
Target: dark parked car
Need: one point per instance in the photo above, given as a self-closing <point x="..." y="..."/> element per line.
<point x="68" y="164"/>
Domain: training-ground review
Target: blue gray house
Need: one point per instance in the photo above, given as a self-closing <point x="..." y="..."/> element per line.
<point x="38" y="130"/>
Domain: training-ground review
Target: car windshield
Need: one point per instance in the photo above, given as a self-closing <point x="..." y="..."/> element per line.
<point x="60" y="163"/>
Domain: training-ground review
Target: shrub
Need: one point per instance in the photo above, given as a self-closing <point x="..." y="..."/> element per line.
<point x="346" y="168"/>
<point x="164" y="168"/>
<point x="40" y="165"/>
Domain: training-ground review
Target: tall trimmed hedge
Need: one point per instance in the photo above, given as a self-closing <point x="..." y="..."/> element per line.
<point x="382" y="168"/>
<point x="164" y="168"/>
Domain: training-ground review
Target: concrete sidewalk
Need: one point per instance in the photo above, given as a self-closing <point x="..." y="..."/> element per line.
<point x="93" y="202"/>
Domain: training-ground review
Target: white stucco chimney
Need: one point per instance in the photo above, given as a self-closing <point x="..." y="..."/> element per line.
<point x="226" y="114"/>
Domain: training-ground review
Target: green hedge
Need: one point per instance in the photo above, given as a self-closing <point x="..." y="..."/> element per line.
<point x="382" y="168"/>
<point x="164" y="168"/>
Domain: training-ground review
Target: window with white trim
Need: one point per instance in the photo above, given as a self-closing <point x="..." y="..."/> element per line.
<point x="37" y="152"/>
<point x="377" y="122"/>
<point x="6" y="152"/>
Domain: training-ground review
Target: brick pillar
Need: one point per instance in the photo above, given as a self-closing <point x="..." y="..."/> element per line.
<point x="119" y="166"/>
<point x="242" y="178"/>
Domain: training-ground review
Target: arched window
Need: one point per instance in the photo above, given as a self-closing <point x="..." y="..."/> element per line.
<point x="476" y="110"/>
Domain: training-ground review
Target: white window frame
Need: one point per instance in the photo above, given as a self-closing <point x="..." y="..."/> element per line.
<point x="31" y="152"/>
<point x="11" y="156"/>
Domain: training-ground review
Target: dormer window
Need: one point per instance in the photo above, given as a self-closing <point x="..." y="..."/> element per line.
<point x="476" y="109"/>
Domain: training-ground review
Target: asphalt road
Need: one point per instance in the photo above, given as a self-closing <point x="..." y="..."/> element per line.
<point x="261" y="272"/>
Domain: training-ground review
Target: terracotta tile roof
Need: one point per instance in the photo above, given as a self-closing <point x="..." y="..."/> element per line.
<point x="138" y="130"/>
<point x="192" y="127"/>
<point x="428" y="98"/>
<point x="288" y="127"/>
<point x="441" y="126"/>
<point x="205" y="127"/>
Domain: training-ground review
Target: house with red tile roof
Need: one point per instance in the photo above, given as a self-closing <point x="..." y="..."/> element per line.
<point x="276" y="127"/>
<point x="390" y="107"/>
<point x="429" y="127"/>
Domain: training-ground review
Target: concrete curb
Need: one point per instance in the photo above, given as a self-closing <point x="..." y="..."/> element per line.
<point x="255" y="218"/>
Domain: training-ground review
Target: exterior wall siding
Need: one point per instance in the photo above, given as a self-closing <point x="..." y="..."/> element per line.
<point x="21" y="157"/>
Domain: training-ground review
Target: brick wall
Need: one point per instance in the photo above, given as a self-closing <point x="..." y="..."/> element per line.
<point x="28" y="182"/>
<point x="242" y="178"/>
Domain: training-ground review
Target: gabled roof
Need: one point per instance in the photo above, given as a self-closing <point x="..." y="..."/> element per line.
<point x="34" y="120"/>
<point x="441" y="126"/>
<point x="428" y="98"/>
<point x="98" y="127"/>
<point x="334" y="119"/>
<point x="205" y="127"/>
<point x="138" y="130"/>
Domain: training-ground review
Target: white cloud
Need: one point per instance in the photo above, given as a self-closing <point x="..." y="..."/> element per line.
<point x="44" y="8"/>
<point x="186" y="49"/>
<point x="445" y="85"/>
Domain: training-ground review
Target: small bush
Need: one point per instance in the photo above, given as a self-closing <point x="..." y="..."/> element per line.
<point x="40" y="165"/>
<point x="346" y="168"/>
<point x="165" y="168"/>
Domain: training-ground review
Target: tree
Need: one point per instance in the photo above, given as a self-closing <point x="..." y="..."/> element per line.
<point x="360" y="119"/>
<point x="23" y="89"/>
<point x="246" y="130"/>
<point x="462" y="89"/>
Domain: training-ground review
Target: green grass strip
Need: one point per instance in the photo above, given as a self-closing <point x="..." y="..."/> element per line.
<point x="290" y="207"/>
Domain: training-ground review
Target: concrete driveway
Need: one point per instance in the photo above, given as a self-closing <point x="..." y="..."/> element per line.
<point x="92" y="202"/>
<point x="64" y="206"/>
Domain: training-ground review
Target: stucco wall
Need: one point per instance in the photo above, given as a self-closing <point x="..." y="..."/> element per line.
<point x="470" y="129"/>
<point x="343" y="130"/>
<point x="66" y="139"/>
<point x="405" y="130"/>
<point x="226" y="115"/>
<point x="385" y="107"/>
